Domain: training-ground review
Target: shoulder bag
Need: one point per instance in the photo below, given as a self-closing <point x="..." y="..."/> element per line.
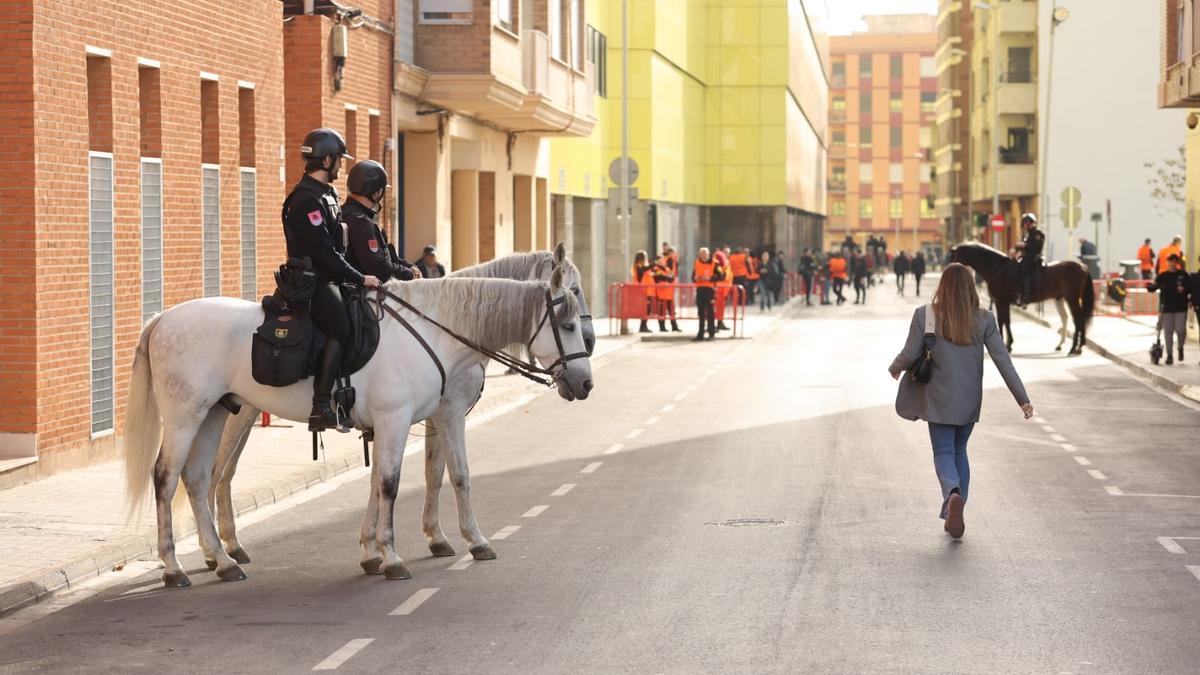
<point x="922" y="369"/>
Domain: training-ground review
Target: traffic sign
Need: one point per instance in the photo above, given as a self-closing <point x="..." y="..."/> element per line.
<point x="614" y="171"/>
<point x="998" y="222"/>
<point x="1071" y="213"/>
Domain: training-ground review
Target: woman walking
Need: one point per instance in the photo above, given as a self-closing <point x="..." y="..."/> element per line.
<point x="762" y="266"/>
<point x="860" y="274"/>
<point x="951" y="400"/>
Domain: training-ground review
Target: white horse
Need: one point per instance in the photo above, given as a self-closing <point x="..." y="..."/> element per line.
<point x="444" y="441"/>
<point x="194" y="354"/>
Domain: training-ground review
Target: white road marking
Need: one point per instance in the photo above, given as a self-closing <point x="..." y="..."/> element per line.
<point x="653" y="420"/>
<point x="535" y="511"/>
<point x="667" y="408"/>
<point x="1154" y="494"/>
<point x="1170" y="544"/>
<point x="506" y="532"/>
<point x="1068" y="447"/>
<point x="1047" y="428"/>
<point x="591" y="468"/>
<point x="1195" y="570"/>
<point x="413" y="602"/>
<point x="1114" y="490"/>
<point x="1082" y="461"/>
<point x="344" y="654"/>
<point x="1058" y="438"/>
<point x="682" y="395"/>
<point x="1097" y="475"/>
<point x="462" y="564"/>
<point x="615" y="448"/>
<point x="634" y="434"/>
<point x="566" y="487"/>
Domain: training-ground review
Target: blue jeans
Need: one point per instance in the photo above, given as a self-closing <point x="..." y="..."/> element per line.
<point x="950" y="458"/>
<point x="764" y="295"/>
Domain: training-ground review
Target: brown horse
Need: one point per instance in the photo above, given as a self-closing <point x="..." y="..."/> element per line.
<point x="1064" y="282"/>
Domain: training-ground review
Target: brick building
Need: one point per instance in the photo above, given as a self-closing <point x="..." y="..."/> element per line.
<point x="151" y="145"/>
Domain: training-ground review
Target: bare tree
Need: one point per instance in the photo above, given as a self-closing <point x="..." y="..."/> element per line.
<point x="1167" y="183"/>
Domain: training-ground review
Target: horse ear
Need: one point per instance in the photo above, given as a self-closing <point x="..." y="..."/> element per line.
<point x="556" y="278"/>
<point x="560" y="254"/>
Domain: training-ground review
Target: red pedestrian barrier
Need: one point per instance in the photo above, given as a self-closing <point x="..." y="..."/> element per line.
<point x="630" y="302"/>
<point x="1138" y="299"/>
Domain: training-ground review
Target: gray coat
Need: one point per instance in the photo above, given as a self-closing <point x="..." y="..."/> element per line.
<point x="954" y="393"/>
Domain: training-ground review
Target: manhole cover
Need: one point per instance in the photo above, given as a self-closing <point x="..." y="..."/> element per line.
<point x="748" y="522"/>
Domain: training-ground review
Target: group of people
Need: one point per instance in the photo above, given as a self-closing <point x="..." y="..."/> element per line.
<point x="828" y="273"/>
<point x="1177" y="290"/>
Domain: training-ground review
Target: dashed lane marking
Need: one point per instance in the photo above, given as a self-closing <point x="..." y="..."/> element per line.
<point x="667" y="408"/>
<point x="653" y="420"/>
<point x="1114" y="490"/>
<point x="1153" y="494"/>
<point x="1068" y="447"/>
<point x="1082" y="461"/>
<point x="1195" y="570"/>
<point x="1097" y="475"/>
<point x="344" y="654"/>
<point x="1058" y="438"/>
<point x="506" y="532"/>
<point x="413" y="602"/>
<point x="591" y="468"/>
<point x="462" y="564"/>
<point x="1047" y="428"/>
<point x="535" y="511"/>
<point x="566" y="487"/>
<point x="681" y="395"/>
<point x="614" y="448"/>
<point x="1171" y="545"/>
<point x="634" y="434"/>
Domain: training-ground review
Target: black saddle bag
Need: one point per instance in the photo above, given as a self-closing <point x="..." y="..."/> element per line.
<point x="281" y="347"/>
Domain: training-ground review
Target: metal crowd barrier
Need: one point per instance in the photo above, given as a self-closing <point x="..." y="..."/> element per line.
<point x="641" y="301"/>
<point x="1136" y="300"/>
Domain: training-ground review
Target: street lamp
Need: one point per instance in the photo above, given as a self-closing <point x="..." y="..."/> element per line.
<point x="1057" y="16"/>
<point x="993" y="19"/>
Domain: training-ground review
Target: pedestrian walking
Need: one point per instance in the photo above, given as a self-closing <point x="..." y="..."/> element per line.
<point x="1194" y="296"/>
<point x="951" y="400"/>
<point x="808" y="272"/>
<point x="739" y="267"/>
<point x="839" y="274"/>
<point x="763" y="269"/>
<point x="859" y="273"/>
<point x="706" y="271"/>
<point x="1145" y="256"/>
<point x="1173" y="287"/>
<point x="900" y="267"/>
<point x="753" y="276"/>
<point x="778" y="272"/>
<point x="918" y="269"/>
<point x="823" y="276"/>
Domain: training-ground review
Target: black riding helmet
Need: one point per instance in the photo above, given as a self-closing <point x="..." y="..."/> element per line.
<point x="367" y="178"/>
<point x="322" y="143"/>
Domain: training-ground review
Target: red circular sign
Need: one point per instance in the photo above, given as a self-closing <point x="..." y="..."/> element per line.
<point x="997" y="222"/>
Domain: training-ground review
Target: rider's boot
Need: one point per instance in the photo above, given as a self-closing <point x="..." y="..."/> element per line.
<point x="323" y="417"/>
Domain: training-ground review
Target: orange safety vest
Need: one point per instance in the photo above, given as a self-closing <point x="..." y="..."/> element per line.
<point x="1146" y="255"/>
<point x="752" y="268"/>
<point x="738" y="266"/>
<point x="837" y="268"/>
<point x="726" y="274"/>
<point x="665" y="279"/>
<point x="644" y="276"/>
<point x="704" y="274"/>
<point x="1166" y="253"/>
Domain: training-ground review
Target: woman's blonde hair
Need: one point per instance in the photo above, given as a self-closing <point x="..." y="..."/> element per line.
<point x="955" y="302"/>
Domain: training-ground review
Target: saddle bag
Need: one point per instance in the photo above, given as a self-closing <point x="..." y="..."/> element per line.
<point x="280" y="351"/>
<point x="295" y="284"/>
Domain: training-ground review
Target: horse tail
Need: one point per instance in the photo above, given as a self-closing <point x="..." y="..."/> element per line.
<point x="1089" y="300"/>
<point x="143" y="428"/>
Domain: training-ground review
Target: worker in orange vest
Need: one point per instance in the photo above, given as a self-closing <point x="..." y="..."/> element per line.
<point x="706" y="273"/>
<point x="724" y="285"/>
<point x="1145" y="256"/>
<point x="666" y="271"/>
<point x="643" y="274"/>
<point x="1174" y="248"/>
<point x="739" y="268"/>
<point x="752" y="276"/>
<point x="838" y="273"/>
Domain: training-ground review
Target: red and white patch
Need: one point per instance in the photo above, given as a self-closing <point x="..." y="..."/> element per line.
<point x="316" y="218"/>
<point x="373" y="245"/>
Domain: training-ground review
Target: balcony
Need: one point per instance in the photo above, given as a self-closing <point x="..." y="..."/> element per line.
<point x="1017" y="180"/>
<point x="836" y="186"/>
<point x="1018" y="17"/>
<point x="1017" y="94"/>
<point x="1181" y="86"/>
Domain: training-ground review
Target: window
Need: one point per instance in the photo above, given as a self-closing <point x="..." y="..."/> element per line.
<point x="446" y="11"/>
<point x="374" y="139"/>
<point x="928" y="67"/>
<point x="926" y="172"/>
<point x="100" y="241"/>
<point x="1017" y="150"/>
<point x="864" y="65"/>
<point x="598" y="55"/>
<point x="839" y="208"/>
<point x="351" y="137"/>
<point x="895" y="135"/>
<point x="927" y="207"/>
<point x="864" y="103"/>
<point x="577" y="34"/>
<point x="558" y="42"/>
<point x="924" y="136"/>
<point x="896" y="172"/>
<point x="504" y="15"/>
<point x="839" y="138"/>
<point x="864" y="137"/>
<point x="1020" y="65"/>
<point x="839" y="104"/>
<point x="839" y="175"/>
<point x="897" y="66"/>
<point x="896" y="102"/>
<point x="865" y="172"/>
<point x="152" y="294"/>
<point x="839" y="74"/>
<point x="210" y="221"/>
<point x="927" y="100"/>
<point x="249" y="193"/>
<point x="866" y="208"/>
<point x="895" y="207"/>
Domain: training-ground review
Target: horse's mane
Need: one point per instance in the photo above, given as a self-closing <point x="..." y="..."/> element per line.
<point x="531" y="265"/>
<point x="982" y="248"/>
<point x="495" y="313"/>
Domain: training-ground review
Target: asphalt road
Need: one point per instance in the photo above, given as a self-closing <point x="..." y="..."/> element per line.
<point x="766" y="511"/>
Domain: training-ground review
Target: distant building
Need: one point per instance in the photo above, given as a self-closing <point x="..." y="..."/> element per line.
<point x="952" y="122"/>
<point x="882" y="101"/>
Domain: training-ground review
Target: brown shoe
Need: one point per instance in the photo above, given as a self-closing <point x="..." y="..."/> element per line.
<point x="954" y="516"/>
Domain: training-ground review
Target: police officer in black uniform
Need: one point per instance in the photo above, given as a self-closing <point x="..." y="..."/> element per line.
<point x="312" y="226"/>
<point x="369" y="250"/>
<point x="1031" y="257"/>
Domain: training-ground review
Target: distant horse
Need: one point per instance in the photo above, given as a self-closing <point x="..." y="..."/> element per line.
<point x="1066" y="282"/>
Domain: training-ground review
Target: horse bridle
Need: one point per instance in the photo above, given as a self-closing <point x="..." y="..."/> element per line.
<point x="563" y="356"/>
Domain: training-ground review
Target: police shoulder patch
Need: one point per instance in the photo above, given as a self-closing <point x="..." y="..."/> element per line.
<point x="373" y="245"/>
<point x="316" y="218"/>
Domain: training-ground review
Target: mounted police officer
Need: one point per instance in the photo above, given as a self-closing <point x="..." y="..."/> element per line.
<point x="313" y="228"/>
<point x="1030" y="267"/>
<point x="368" y="249"/>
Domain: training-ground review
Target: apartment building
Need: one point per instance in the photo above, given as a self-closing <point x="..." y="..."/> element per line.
<point x="952" y="116"/>
<point x="882" y="103"/>
<point x="1179" y="87"/>
<point x="727" y="126"/>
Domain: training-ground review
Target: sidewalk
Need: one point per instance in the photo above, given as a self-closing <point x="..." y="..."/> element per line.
<point x="1127" y="341"/>
<point x="64" y="529"/>
<point x="756" y="323"/>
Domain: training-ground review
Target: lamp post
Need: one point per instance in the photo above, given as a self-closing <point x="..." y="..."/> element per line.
<point x="625" y="243"/>
<point x="994" y="25"/>
<point x="1057" y="16"/>
<point x="961" y="53"/>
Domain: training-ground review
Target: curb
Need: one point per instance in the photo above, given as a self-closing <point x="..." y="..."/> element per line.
<point x="1187" y="391"/>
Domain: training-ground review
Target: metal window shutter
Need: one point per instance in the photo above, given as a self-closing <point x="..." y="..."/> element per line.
<point x="249" y="233"/>
<point x="152" y="281"/>
<point x="100" y="289"/>
<point x="211" y="216"/>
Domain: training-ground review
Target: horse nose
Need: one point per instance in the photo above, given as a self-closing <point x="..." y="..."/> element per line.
<point x="587" y="385"/>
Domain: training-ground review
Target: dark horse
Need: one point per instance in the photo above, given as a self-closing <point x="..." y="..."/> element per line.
<point x="1064" y="282"/>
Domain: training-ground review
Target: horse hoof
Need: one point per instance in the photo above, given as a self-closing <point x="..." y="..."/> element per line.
<point x="484" y="552"/>
<point x="234" y="573"/>
<point x="211" y="564"/>
<point x="441" y="549"/>
<point x="372" y="566"/>
<point x="176" y="579"/>
<point x="1058" y="348"/>
<point x="396" y="571"/>
<point x="239" y="556"/>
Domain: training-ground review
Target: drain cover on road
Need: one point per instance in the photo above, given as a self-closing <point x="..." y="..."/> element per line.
<point x="748" y="522"/>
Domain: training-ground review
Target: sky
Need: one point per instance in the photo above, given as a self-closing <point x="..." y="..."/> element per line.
<point x="844" y="15"/>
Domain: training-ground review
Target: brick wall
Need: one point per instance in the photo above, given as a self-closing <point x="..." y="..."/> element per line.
<point x="457" y="49"/>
